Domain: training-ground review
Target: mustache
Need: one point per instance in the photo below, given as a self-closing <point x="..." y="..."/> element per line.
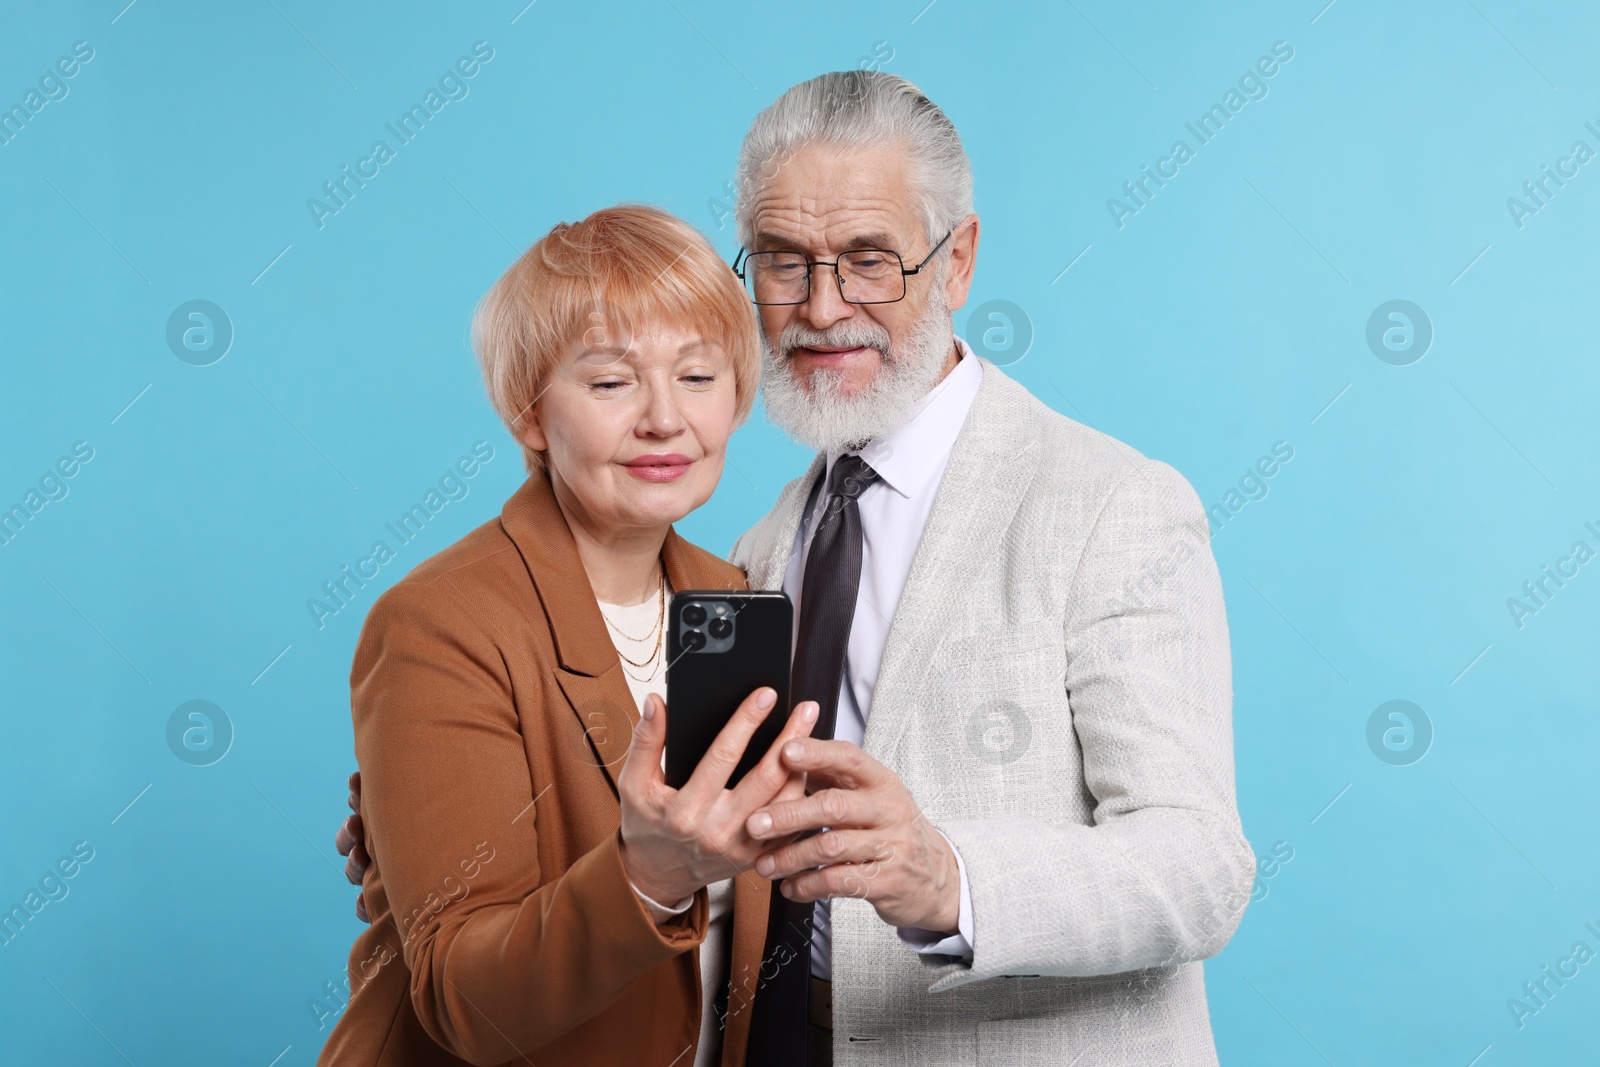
<point x="844" y="335"/>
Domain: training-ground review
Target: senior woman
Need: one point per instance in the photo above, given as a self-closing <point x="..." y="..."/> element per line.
<point x="508" y="696"/>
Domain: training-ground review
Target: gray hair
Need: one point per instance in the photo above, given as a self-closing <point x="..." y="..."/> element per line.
<point x="855" y="108"/>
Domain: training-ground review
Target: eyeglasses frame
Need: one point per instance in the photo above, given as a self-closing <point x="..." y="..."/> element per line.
<point x="812" y="264"/>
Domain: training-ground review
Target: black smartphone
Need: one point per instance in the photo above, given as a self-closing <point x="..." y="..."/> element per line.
<point x="722" y="645"/>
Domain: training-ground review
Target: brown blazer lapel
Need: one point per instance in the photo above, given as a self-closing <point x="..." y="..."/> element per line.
<point x="590" y="675"/>
<point x="588" y="671"/>
<point x="752" y="899"/>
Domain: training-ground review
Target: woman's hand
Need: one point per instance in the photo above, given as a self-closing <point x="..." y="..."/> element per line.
<point x="676" y="840"/>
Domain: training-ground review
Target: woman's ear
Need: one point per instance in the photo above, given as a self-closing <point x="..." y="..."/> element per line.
<point x="532" y="432"/>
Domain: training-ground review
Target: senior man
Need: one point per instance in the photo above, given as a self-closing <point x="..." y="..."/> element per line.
<point x="1022" y="773"/>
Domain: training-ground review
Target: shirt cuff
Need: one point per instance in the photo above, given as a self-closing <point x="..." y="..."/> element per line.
<point x="933" y="941"/>
<point x="660" y="912"/>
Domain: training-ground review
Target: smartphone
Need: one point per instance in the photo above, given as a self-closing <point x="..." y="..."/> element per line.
<point x="722" y="645"/>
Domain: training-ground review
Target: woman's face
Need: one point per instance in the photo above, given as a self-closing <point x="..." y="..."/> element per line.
<point x="634" y="434"/>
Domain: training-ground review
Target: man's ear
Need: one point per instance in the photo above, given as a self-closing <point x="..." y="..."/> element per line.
<point x="963" y="260"/>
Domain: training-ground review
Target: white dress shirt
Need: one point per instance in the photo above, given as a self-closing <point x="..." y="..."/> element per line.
<point x="910" y="462"/>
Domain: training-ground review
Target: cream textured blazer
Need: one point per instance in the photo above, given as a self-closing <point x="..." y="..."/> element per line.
<point x="1056" y="693"/>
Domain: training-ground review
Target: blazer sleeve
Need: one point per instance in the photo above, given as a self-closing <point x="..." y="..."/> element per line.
<point x="504" y="957"/>
<point x="1163" y="874"/>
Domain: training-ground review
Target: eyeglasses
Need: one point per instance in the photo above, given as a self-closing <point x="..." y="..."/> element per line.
<point x="865" y="275"/>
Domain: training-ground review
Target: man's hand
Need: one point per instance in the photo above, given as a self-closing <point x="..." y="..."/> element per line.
<point x="351" y="841"/>
<point x="879" y="847"/>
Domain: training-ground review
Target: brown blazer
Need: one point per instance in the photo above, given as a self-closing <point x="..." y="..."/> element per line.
<point x="491" y="717"/>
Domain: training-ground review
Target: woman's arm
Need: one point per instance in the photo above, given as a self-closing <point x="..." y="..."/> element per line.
<point x="500" y="964"/>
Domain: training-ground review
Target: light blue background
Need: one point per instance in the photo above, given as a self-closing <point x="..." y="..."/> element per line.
<point x="1223" y="317"/>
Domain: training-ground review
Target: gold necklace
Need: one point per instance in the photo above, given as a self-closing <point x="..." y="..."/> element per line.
<point x="660" y="629"/>
<point x="649" y="677"/>
<point x="662" y="586"/>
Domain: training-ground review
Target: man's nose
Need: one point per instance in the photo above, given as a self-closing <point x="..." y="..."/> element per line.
<point x="825" y="305"/>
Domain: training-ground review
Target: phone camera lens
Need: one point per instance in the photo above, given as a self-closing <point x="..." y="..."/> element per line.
<point x="720" y="628"/>
<point x="694" y="614"/>
<point x="694" y="640"/>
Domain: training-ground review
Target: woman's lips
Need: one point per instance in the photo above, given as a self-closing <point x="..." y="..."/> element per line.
<point x="661" y="467"/>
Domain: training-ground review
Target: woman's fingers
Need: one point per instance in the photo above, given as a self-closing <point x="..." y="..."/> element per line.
<point x="643" y="763"/>
<point x="794" y="788"/>
<point x="716" y="766"/>
<point x="757" y="787"/>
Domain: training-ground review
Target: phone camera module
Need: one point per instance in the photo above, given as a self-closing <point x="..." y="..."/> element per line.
<point x="706" y="626"/>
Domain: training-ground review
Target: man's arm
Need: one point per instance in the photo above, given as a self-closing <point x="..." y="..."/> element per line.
<point x="1164" y="873"/>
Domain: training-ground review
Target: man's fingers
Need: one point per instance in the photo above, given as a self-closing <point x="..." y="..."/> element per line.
<point x="350" y="833"/>
<point x="831" y="846"/>
<point x="830" y="882"/>
<point x="716" y="766"/>
<point x="767" y="775"/>
<point x="829" y="807"/>
<point x="351" y="843"/>
<point x="837" y="763"/>
<point x="361" y="908"/>
<point x="793" y="789"/>
<point x="356" y="865"/>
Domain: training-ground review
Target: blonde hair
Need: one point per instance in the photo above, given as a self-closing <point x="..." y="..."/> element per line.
<point x="616" y="270"/>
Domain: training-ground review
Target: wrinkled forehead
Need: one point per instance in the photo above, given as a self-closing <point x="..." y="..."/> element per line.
<point x="824" y="199"/>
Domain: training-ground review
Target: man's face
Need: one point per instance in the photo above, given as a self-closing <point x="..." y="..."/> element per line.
<point x="839" y="372"/>
<point x="825" y="201"/>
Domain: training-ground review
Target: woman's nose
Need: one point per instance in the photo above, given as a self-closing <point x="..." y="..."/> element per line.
<point x="661" y="416"/>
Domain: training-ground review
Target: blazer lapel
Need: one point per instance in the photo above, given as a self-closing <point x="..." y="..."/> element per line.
<point x="767" y="557"/>
<point x="979" y="494"/>
<point x="588" y="669"/>
<point x="752" y="899"/>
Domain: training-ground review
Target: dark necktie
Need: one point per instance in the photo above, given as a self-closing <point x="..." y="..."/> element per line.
<point x="827" y="608"/>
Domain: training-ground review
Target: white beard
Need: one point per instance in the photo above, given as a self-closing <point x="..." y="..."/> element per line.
<point x="820" y="416"/>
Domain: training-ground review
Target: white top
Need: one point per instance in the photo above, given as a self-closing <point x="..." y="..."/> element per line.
<point x="638" y="624"/>
<point x="910" y="462"/>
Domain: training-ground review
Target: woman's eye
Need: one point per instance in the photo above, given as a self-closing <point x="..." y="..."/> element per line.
<point x="606" y="386"/>
<point x="700" y="378"/>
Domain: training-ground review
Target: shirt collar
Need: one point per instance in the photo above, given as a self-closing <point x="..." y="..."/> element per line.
<point x="908" y="457"/>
